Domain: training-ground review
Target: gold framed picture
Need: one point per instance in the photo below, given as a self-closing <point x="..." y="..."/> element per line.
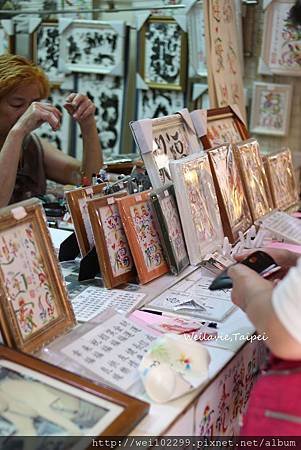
<point x="34" y="305"/>
<point x="77" y="202"/>
<point x="53" y="402"/>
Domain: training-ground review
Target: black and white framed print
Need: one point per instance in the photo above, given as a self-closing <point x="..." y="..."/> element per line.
<point x="163" y="49"/>
<point x="153" y="103"/>
<point x="92" y="46"/>
<point x="107" y="93"/>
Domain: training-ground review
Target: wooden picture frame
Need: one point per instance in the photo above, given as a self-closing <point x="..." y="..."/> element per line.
<point x="281" y="41"/>
<point x="112" y="247"/>
<point x="197" y="203"/>
<point x="92" y="46"/>
<point x="163" y="139"/>
<point x="281" y="179"/>
<point x="271" y="108"/>
<point x="77" y="203"/>
<point x="45" y="391"/>
<point x="34" y="307"/>
<point x="140" y="227"/>
<point x="232" y="201"/>
<point x="218" y="126"/>
<point x="163" y="36"/>
<point x="252" y="172"/>
<point x="170" y="228"/>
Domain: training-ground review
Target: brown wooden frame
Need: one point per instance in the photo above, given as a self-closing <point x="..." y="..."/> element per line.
<point x="105" y="264"/>
<point x="133" y="409"/>
<point x="73" y="198"/>
<point x="220" y="114"/>
<point x="13" y="303"/>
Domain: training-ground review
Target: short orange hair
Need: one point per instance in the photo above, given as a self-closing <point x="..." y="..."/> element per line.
<point x="16" y="70"/>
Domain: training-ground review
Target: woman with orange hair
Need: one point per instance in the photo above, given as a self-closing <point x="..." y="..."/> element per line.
<point x="25" y="160"/>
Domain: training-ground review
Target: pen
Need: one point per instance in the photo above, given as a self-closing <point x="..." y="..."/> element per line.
<point x="151" y="311"/>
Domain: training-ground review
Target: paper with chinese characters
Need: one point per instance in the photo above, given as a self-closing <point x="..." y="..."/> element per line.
<point x="224" y="61"/>
<point x="255" y="181"/>
<point x="147" y="235"/>
<point x="25" y="279"/>
<point x="154" y="103"/>
<point x="222" y="131"/>
<point x="231" y="187"/>
<point x="112" y="350"/>
<point x="172" y="220"/>
<point x="283" y="184"/>
<point x="116" y="240"/>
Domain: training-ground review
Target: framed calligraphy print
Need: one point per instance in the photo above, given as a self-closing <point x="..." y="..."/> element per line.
<point x="92" y="46"/>
<point x="197" y="203"/>
<point x="170" y="228"/>
<point x="252" y="172"/>
<point x="34" y="307"/>
<point x="281" y="178"/>
<point x="113" y="251"/>
<point x="54" y="402"/>
<point x="232" y="201"/>
<point x="140" y="226"/>
<point x="163" y="139"/>
<point x="163" y="49"/>
<point x="219" y="126"/>
<point x="280" y="52"/>
<point x="77" y="203"/>
<point x="271" y="108"/>
<point x="154" y="103"/>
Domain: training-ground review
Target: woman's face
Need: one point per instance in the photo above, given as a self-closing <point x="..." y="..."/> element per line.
<point x="14" y="104"/>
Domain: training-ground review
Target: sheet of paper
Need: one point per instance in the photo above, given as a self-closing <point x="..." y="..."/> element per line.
<point x="113" y="350"/>
<point x="201" y="287"/>
<point x="94" y="300"/>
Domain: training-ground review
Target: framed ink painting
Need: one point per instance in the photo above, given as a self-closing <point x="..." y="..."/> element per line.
<point x="221" y="126"/>
<point x="232" y="201"/>
<point x="281" y="178"/>
<point x="92" y="46"/>
<point x="112" y="247"/>
<point x="77" y="203"/>
<point x="197" y="203"/>
<point x="34" y="307"/>
<point x="53" y="402"/>
<point x="252" y="172"/>
<point x="139" y="223"/>
<point x="163" y="49"/>
<point x="154" y="103"/>
<point x="163" y="139"/>
<point x="170" y="228"/>
<point x="271" y="108"/>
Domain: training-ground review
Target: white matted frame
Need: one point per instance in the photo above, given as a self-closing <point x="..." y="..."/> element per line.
<point x="271" y="108"/>
<point x="163" y="139"/>
<point x="197" y="203"/>
<point x="152" y="103"/>
<point x="92" y="46"/>
<point x="196" y="40"/>
<point x="280" y="52"/>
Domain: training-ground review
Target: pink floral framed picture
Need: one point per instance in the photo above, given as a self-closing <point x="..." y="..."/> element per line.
<point x="34" y="306"/>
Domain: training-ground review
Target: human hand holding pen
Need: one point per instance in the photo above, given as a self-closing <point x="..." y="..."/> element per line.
<point x="283" y="257"/>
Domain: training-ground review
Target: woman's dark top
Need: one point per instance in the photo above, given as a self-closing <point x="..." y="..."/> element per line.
<point x="31" y="177"/>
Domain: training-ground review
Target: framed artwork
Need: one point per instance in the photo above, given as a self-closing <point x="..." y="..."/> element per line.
<point x="231" y="198"/>
<point x="280" y="53"/>
<point x="196" y="41"/>
<point x="107" y="93"/>
<point x="78" y="5"/>
<point x="163" y="139"/>
<point x="113" y="251"/>
<point x="154" y="103"/>
<point x="281" y="178"/>
<point x="77" y="203"/>
<point x="62" y="137"/>
<point x="139" y="223"/>
<point x="163" y="49"/>
<point x="54" y="402"/>
<point x="34" y="307"/>
<point x="219" y="126"/>
<point x="6" y="39"/>
<point x="92" y="46"/>
<point x="271" y="108"/>
<point x="252" y="172"/>
<point x="46" y="40"/>
<point x="197" y="203"/>
<point x="170" y="228"/>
